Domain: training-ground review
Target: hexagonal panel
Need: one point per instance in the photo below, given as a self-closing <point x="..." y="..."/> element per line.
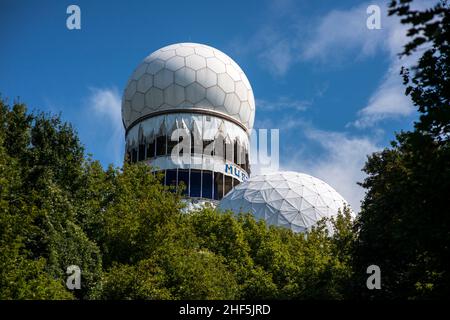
<point x="245" y="111"/>
<point x="226" y="83"/>
<point x="241" y="90"/>
<point x="221" y="109"/>
<point x="126" y="109"/>
<point x="144" y="83"/>
<point x="206" y="77"/>
<point x="137" y="103"/>
<point x="222" y="57"/>
<point x="134" y="115"/>
<point x="184" y="76"/>
<point x="204" y="51"/>
<point x="184" y="51"/>
<point x="174" y="95"/>
<point x="195" y="62"/>
<point x="204" y="104"/>
<point x="251" y="121"/>
<point x="154" y="98"/>
<point x="147" y="110"/>
<point x="155" y="66"/>
<point x="170" y="47"/>
<point x="140" y="71"/>
<point x="151" y="57"/>
<point x="175" y="63"/>
<point x="215" y="65"/>
<point x="215" y="95"/>
<point x="131" y="89"/>
<point x="236" y="66"/>
<point x="163" y="79"/>
<point x="186" y="105"/>
<point x="233" y="73"/>
<point x="165" y="106"/>
<point x="165" y="55"/>
<point x="232" y="103"/>
<point x="245" y="80"/>
<point x="195" y="92"/>
<point x="251" y="99"/>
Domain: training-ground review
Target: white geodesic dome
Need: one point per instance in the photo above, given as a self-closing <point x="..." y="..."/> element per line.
<point x="288" y="199"/>
<point x="188" y="76"/>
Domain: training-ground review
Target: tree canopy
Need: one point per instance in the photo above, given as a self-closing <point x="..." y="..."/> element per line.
<point x="404" y="224"/>
<point x="130" y="237"/>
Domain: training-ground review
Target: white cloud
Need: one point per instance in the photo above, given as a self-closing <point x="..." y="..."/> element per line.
<point x="339" y="164"/>
<point x="334" y="157"/>
<point x="271" y="47"/>
<point x="105" y="109"/>
<point x="283" y="103"/>
<point x="388" y="101"/>
<point x="278" y="57"/>
<point x="341" y="33"/>
<point x="335" y="38"/>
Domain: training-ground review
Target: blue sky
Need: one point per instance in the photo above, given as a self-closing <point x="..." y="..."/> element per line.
<point x="319" y="75"/>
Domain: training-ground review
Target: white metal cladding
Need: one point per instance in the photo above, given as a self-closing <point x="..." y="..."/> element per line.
<point x="188" y="76"/>
<point x="288" y="199"/>
<point x="209" y="127"/>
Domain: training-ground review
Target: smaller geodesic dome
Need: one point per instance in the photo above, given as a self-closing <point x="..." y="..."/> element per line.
<point x="288" y="199"/>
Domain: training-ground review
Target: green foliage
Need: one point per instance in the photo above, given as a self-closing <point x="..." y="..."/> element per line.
<point x="24" y="278"/>
<point x="138" y="217"/>
<point x="128" y="233"/>
<point x="404" y="225"/>
<point x="130" y="237"/>
<point x="40" y="173"/>
<point x="197" y="274"/>
<point x="127" y="282"/>
<point x="429" y="85"/>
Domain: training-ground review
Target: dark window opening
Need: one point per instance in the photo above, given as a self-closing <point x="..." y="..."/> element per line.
<point x="192" y="143"/>
<point x="183" y="180"/>
<point x="228" y="184"/>
<point x="161" y="146"/>
<point x="196" y="183"/>
<point x="133" y="155"/>
<point x="207" y="187"/>
<point x="246" y="168"/>
<point x="151" y="149"/>
<point x="218" y="186"/>
<point x="141" y="154"/>
<point x="171" y="177"/>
